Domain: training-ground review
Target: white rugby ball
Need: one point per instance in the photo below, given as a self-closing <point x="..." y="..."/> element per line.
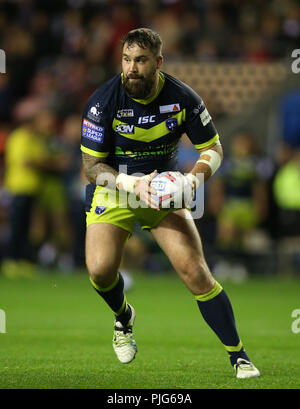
<point x="170" y="187"/>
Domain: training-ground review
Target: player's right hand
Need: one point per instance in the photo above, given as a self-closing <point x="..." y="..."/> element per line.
<point x="143" y="190"/>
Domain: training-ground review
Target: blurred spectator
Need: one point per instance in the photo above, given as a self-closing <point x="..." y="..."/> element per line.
<point x="289" y="118"/>
<point x="7" y="97"/>
<point x="4" y="197"/>
<point x="242" y="189"/>
<point x="4" y="132"/>
<point x="237" y="203"/>
<point x="166" y="24"/>
<point x="286" y="188"/>
<point x="72" y="32"/>
<point x="18" y="45"/>
<point x="123" y="19"/>
<point x="255" y="50"/>
<point x="30" y="177"/>
<point x="74" y="185"/>
<point x="283" y="154"/>
<point x="286" y="191"/>
<point x="80" y="40"/>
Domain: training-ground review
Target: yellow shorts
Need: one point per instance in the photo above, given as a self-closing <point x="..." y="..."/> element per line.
<point x="239" y="213"/>
<point x="121" y="209"/>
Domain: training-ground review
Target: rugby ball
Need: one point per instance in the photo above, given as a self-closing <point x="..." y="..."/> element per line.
<point x="170" y="189"/>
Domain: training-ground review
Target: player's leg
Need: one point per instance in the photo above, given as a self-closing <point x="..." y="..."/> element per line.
<point x="104" y="247"/>
<point x="108" y="228"/>
<point x="178" y="237"/>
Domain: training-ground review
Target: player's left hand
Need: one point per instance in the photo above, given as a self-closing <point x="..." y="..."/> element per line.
<point x="190" y="186"/>
<point x="143" y="190"/>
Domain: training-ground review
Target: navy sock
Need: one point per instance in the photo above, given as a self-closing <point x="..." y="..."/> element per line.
<point x="114" y="296"/>
<point x="216" y="310"/>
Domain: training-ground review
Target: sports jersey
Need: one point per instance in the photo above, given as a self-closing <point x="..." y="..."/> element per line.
<point x="23" y="145"/>
<point x="144" y="134"/>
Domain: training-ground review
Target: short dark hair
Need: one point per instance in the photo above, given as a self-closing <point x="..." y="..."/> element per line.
<point x="144" y="38"/>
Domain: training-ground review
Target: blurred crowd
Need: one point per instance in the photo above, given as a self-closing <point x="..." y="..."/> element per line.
<point x="251" y="222"/>
<point x="58" y="52"/>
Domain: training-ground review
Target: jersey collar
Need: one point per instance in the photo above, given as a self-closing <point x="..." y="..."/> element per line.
<point x="161" y="81"/>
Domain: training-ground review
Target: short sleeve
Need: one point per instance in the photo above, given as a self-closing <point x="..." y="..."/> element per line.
<point x="95" y="129"/>
<point x="199" y="126"/>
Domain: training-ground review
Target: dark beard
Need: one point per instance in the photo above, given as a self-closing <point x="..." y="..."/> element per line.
<point x="139" y="89"/>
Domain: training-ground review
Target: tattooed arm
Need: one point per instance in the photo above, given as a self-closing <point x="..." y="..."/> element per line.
<point x="93" y="167"/>
<point x="100" y="173"/>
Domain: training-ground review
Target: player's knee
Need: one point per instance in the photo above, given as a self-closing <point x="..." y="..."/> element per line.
<point x="196" y="274"/>
<point x="101" y="271"/>
<point x="194" y="268"/>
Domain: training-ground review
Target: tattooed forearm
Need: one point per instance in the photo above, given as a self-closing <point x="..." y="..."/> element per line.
<point x="94" y="167"/>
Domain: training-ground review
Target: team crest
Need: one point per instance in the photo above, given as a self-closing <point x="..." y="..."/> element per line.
<point x="171" y="124"/>
<point x="100" y="209"/>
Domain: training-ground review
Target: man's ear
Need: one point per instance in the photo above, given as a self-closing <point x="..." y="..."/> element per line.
<point x="159" y="61"/>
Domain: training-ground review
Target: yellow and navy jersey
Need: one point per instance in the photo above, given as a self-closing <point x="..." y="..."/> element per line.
<point x="143" y="135"/>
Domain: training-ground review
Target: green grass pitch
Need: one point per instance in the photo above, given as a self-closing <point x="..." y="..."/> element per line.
<point x="59" y="333"/>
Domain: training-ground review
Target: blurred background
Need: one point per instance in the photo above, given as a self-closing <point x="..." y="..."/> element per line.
<point x="235" y="54"/>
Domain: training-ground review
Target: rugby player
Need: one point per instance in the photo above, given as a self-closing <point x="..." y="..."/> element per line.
<point x="132" y="124"/>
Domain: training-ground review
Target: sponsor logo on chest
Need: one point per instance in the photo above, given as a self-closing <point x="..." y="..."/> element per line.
<point x="125" y="129"/>
<point x="164" y="109"/>
<point x="146" y="119"/>
<point x="125" y="113"/>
